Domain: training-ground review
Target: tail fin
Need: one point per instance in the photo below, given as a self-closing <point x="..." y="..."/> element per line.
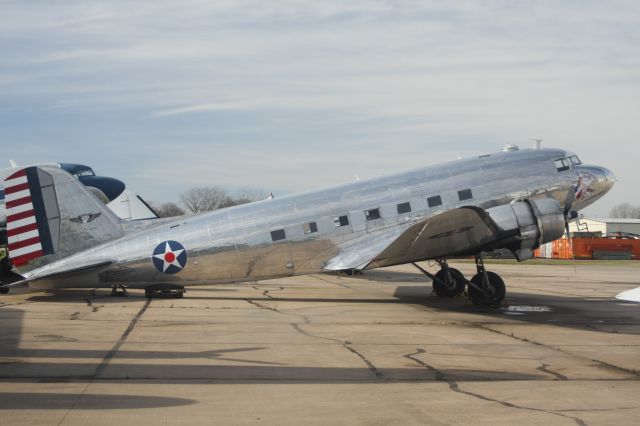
<point x="51" y="215"/>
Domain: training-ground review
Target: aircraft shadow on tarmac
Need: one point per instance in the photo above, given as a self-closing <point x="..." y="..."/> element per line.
<point x="25" y="364"/>
<point x="557" y="310"/>
<point x="102" y="295"/>
<point x="65" y="401"/>
<point x="589" y="314"/>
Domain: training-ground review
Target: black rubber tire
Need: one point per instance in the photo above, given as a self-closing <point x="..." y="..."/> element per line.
<point x="479" y="297"/>
<point x="442" y="290"/>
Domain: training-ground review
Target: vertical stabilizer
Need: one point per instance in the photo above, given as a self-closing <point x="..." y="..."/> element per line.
<point x="51" y="215"/>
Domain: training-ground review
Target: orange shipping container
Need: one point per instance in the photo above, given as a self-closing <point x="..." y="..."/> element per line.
<point x="583" y="248"/>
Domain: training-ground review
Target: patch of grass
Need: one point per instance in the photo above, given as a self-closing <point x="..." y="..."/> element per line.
<point x="562" y="262"/>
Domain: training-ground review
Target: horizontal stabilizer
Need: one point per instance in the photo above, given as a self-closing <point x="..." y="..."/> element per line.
<point x="64" y="272"/>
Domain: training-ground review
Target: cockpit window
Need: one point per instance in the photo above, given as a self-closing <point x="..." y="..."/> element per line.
<point x="575" y="160"/>
<point x="86" y="172"/>
<point x="563" y="164"/>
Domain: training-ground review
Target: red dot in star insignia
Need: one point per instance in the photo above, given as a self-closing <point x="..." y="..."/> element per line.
<point x="169" y="257"/>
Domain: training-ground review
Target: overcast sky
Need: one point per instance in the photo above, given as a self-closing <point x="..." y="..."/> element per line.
<point x="294" y="95"/>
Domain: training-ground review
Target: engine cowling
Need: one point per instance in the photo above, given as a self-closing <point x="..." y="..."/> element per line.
<point x="527" y="224"/>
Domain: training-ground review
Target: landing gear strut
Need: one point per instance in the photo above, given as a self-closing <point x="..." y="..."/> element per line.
<point x="119" y="290"/>
<point x="447" y="282"/>
<point x="486" y="288"/>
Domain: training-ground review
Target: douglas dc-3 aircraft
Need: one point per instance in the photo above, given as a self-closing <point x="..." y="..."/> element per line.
<point x="62" y="236"/>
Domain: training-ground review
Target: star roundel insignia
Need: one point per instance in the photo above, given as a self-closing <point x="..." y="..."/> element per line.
<point x="169" y="257"/>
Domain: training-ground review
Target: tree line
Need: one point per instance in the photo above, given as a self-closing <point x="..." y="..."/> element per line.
<point x="625" y="211"/>
<point x="207" y="198"/>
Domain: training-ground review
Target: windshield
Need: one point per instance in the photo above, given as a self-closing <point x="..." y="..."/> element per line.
<point x="87" y="172"/>
<point x="566" y="163"/>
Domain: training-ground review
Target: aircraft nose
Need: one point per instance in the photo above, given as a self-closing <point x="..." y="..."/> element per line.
<point x="604" y="178"/>
<point x="593" y="183"/>
<point x="608" y="176"/>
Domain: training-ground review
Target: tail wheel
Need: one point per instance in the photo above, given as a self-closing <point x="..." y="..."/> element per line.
<point x="448" y="285"/>
<point x="491" y="295"/>
<point x="164" y="290"/>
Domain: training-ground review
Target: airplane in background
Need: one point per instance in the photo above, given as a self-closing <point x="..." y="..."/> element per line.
<point x="632" y="295"/>
<point x="61" y="236"/>
<point x="112" y="192"/>
<point x="123" y="202"/>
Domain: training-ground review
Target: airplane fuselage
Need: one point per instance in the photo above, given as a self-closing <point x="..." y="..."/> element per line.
<point x="304" y="233"/>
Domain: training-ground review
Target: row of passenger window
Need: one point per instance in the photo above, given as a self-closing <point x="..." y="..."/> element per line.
<point x="372" y="214"/>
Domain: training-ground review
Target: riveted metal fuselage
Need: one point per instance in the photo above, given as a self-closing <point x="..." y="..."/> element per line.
<point x="236" y="244"/>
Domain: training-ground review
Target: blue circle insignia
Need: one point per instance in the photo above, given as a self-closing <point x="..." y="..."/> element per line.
<point x="169" y="257"/>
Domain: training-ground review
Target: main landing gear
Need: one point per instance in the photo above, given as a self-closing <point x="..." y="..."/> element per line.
<point x="485" y="288"/>
<point x="119" y="290"/>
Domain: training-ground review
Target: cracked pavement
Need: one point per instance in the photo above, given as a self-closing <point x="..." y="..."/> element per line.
<point x="330" y="349"/>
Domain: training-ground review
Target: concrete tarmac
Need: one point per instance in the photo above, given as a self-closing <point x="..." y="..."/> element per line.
<point x="379" y="349"/>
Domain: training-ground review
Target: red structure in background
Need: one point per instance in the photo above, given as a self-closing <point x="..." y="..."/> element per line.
<point x="595" y="248"/>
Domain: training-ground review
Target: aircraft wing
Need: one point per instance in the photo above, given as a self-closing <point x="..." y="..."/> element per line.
<point x="359" y="252"/>
<point x="457" y="232"/>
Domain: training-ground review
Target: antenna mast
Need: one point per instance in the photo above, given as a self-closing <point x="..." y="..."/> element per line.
<point x="536" y="142"/>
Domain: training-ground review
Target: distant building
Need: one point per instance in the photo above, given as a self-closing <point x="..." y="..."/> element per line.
<point x="609" y="227"/>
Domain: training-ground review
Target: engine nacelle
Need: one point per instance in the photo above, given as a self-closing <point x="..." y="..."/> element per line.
<point x="527" y="224"/>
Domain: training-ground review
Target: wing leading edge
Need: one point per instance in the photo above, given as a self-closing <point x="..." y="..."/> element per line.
<point x="457" y="232"/>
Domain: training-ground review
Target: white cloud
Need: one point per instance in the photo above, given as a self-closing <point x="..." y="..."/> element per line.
<point x="361" y="77"/>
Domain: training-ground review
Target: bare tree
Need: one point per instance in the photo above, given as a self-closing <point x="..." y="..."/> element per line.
<point x="250" y="194"/>
<point x="203" y="198"/>
<point x="168" y="210"/>
<point x="230" y="202"/>
<point x="625" y="211"/>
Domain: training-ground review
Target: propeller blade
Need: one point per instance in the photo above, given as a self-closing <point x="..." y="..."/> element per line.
<point x="569" y="215"/>
<point x="569" y="199"/>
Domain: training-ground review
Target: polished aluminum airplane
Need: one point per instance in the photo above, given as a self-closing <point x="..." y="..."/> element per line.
<point x="62" y="236"/>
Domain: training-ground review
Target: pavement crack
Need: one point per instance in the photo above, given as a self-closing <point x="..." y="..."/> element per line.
<point x="329" y="281"/>
<point x="345" y="344"/>
<point x="369" y="364"/>
<point x="90" y="304"/>
<point x="261" y="306"/>
<point x="265" y="292"/>
<point x="105" y="361"/>
<point x="557" y="349"/>
<point x="439" y="376"/>
<point x="315" y="336"/>
<point x="75" y="402"/>
<point x="455" y="387"/>
<point x="545" y="369"/>
<point x="270" y="308"/>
